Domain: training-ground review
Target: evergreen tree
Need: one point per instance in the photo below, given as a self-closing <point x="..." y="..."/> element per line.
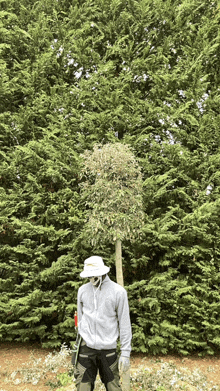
<point x="40" y="217"/>
<point x="74" y="74"/>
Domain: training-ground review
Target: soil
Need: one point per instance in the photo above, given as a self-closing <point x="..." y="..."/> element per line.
<point x="14" y="356"/>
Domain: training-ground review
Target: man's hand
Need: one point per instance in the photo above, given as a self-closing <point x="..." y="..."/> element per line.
<point x="123" y="364"/>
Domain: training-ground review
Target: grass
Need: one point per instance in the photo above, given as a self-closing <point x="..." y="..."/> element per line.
<point x="57" y="371"/>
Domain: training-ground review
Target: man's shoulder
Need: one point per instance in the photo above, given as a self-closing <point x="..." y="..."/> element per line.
<point x="116" y="286"/>
<point x="84" y="287"/>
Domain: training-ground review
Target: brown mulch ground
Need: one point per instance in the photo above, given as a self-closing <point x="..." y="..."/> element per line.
<point x="14" y="356"/>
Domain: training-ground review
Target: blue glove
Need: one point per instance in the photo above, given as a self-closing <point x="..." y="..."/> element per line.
<point x="123" y="364"/>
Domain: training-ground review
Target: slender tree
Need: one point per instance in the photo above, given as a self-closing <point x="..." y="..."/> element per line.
<point x="112" y="187"/>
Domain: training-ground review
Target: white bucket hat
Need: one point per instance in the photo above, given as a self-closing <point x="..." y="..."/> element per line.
<point x="93" y="267"/>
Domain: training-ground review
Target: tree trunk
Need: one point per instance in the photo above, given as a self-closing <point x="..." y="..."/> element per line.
<point x="118" y="262"/>
<point x="126" y="386"/>
<point x="120" y="281"/>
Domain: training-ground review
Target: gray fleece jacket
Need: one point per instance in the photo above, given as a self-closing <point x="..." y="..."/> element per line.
<point x="103" y="316"/>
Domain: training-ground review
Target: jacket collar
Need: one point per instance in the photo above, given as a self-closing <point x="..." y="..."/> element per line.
<point x="106" y="279"/>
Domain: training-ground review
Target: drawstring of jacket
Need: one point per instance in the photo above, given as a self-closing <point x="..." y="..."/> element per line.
<point x="95" y="290"/>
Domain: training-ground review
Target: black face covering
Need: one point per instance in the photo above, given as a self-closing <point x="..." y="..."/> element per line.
<point x="96" y="280"/>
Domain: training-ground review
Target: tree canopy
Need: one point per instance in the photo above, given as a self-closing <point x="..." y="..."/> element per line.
<point x="113" y="192"/>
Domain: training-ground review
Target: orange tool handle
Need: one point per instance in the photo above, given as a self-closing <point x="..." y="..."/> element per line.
<point x="76" y="319"/>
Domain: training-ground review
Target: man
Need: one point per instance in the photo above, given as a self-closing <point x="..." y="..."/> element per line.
<point x="103" y="316"/>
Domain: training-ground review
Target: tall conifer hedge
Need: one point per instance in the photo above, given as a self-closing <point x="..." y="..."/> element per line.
<point x="74" y="73"/>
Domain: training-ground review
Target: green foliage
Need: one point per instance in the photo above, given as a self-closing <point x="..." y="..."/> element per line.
<point x="64" y="379"/>
<point x="74" y="74"/>
<point x="38" y="241"/>
<point x="61" y="382"/>
<point x="113" y="193"/>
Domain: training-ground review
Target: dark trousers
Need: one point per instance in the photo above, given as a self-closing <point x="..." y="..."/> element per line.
<point x="90" y="361"/>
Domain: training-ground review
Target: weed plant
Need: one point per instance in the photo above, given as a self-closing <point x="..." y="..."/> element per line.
<point x="54" y="366"/>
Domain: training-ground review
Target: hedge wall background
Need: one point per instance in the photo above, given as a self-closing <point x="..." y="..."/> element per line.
<point x="144" y="73"/>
